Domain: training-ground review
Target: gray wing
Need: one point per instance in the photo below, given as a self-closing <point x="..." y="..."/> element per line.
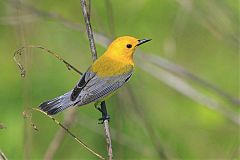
<point x="97" y="88"/>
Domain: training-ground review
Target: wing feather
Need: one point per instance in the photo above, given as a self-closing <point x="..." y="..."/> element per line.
<point x="98" y="88"/>
<point x="81" y="84"/>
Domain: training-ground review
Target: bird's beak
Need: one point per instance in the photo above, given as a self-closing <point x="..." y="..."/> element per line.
<point x="141" y="41"/>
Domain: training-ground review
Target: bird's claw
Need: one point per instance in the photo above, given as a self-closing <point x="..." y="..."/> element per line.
<point x="102" y="119"/>
<point x="103" y="110"/>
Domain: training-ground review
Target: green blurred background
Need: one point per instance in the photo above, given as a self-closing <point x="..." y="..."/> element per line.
<point x="160" y="112"/>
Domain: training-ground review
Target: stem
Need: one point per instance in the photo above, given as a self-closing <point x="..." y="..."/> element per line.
<point x="69" y="132"/>
<point x="89" y="29"/>
<point x="107" y="132"/>
<point x="94" y="57"/>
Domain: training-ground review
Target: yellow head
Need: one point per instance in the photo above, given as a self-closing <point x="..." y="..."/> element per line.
<point x="124" y="47"/>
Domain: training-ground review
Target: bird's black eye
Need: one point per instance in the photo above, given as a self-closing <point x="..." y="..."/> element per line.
<point x="129" y="46"/>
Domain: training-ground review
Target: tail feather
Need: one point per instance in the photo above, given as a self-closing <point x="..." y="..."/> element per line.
<point x="58" y="104"/>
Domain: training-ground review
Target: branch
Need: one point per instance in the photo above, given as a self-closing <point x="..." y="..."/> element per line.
<point x="51" y="150"/>
<point x="59" y="136"/>
<point x="19" y="52"/>
<point x="27" y="114"/>
<point x="68" y="119"/>
<point x="89" y="29"/>
<point x="94" y="56"/>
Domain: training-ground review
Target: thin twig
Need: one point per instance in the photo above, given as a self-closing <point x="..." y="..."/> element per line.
<point x="69" y="119"/>
<point x="66" y="129"/>
<point x="89" y="29"/>
<point x="107" y="132"/>
<point x="94" y="56"/>
<point x="21" y="67"/>
<point x="26" y="115"/>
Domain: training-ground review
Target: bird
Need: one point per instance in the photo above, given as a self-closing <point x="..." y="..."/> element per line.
<point x="102" y="79"/>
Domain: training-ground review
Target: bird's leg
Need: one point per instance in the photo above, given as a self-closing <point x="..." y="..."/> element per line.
<point x="103" y="110"/>
<point x="105" y="115"/>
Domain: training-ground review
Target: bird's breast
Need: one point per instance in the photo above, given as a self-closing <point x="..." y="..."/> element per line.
<point x="107" y="67"/>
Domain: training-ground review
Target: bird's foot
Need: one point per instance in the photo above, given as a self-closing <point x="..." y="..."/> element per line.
<point x="103" y="118"/>
<point x="103" y="110"/>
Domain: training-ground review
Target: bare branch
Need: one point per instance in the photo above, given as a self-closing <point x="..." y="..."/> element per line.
<point x="28" y="116"/>
<point x="65" y="129"/>
<point x="89" y="29"/>
<point x="19" y="52"/>
<point x="67" y="121"/>
<point x="59" y="136"/>
<point x="94" y="56"/>
<point x="68" y="118"/>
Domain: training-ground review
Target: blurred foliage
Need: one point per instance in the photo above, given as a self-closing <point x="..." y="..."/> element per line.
<point x="202" y="36"/>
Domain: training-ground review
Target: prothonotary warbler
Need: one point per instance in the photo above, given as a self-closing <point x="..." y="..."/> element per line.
<point x="108" y="73"/>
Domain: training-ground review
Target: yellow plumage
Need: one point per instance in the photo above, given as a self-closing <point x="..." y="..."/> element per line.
<point x="107" y="66"/>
